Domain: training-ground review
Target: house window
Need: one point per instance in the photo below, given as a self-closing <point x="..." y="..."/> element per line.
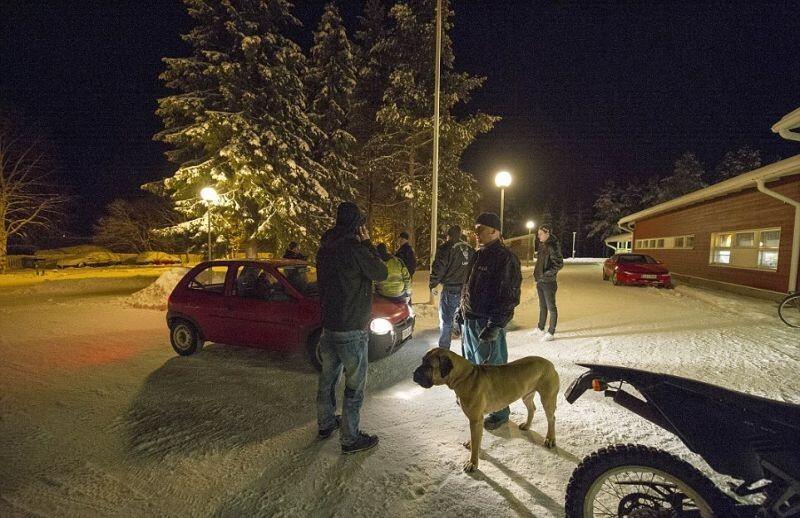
<point x="652" y="243"/>
<point x="660" y="243"/>
<point x="746" y="249"/>
<point x="679" y="242"/>
<point x="690" y="241"/>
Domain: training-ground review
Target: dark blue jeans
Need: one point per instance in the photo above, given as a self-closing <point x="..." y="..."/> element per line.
<point x="547" y="303"/>
<point x="493" y="353"/>
<point x="342" y="350"/>
<point x="448" y="304"/>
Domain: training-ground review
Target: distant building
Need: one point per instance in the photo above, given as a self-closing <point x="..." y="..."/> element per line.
<point x="742" y="233"/>
<point x="619" y="243"/>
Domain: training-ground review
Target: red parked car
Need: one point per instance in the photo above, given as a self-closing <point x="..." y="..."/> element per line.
<point x="636" y="269"/>
<point x="272" y="304"/>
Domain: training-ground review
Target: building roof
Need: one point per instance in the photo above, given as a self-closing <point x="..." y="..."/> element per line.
<point x="768" y="173"/>
<point x="787" y="123"/>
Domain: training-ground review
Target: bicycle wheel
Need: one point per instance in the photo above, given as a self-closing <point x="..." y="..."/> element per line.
<point x="789" y="310"/>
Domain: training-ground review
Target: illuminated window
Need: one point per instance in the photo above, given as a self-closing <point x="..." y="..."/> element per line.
<point x="746" y="249"/>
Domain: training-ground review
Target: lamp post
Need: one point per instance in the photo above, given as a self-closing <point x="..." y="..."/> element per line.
<point x="529" y="225"/>
<point x="209" y="195"/>
<point x="502" y="180"/>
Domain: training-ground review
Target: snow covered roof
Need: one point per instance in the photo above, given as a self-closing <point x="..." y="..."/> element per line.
<point x="787" y="123"/>
<point x="771" y="172"/>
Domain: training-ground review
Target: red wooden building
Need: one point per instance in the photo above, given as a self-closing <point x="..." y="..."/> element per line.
<point x="742" y="233"/>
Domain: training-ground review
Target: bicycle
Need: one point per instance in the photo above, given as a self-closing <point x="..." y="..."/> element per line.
<point x="789" y="310"/>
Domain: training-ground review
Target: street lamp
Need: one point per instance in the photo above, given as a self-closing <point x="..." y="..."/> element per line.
<point x="502" y="180"/>
<point x="529" y="225"/>
<point x="209" y="195"/>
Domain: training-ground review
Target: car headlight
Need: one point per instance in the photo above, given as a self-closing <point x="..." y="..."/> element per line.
<point x="380" y="326"/>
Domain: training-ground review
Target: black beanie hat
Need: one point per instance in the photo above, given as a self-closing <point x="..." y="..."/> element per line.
<point x="349" y="216"/>
<point x="454" y="232"/>
<point x="489" y="219"/>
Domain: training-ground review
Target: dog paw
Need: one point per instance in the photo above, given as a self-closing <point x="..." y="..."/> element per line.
<point x="469" y="467"/>
<point x="524" y="426"/>
<point x="550" y="442"/>
<point x="467" y="444"/>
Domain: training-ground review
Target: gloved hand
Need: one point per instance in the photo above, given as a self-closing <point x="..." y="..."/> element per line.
<point x="489" y="333"/>
<point x="458" y="318"/>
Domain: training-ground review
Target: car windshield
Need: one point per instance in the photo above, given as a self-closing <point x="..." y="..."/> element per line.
<point x="635" y="258"/>
<point x="303" y="277"/>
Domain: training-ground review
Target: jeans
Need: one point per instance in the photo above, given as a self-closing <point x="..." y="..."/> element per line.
<point x="448" y="304"/>
<point x="547" y="303"/>
<point x="342" y="350"/>
<point x="493" y="353"/>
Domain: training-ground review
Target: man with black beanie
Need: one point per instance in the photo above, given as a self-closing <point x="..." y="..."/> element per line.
<point x="450" y="270"/>
<point x="490" y="294"/>
<point x="347" y="265"/>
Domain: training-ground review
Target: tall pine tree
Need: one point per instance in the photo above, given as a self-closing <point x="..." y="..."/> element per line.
<point x="238" y="123"/>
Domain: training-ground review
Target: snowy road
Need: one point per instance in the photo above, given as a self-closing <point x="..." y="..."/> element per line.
<point x="98" y="416"/>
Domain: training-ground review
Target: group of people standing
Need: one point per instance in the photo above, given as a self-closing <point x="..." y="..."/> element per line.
<point x="479" y="292"/>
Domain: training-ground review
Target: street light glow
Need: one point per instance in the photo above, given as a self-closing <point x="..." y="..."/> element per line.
<point x="209" y="194"/>
<point x="503" y="179"/>
<point x="529" y="225"/>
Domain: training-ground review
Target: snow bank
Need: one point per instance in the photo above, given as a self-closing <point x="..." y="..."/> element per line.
<point x="155" y="295"/>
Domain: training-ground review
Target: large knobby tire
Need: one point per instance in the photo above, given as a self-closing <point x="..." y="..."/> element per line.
<point x="184" y="337"/>
<point x="598" y="485"/>
<point x="789" y="310"/>
<point x="312" y="347"/>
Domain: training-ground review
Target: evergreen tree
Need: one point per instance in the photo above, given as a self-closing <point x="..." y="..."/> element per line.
<point x="331" y="84"/>
<point x="686" y="177"/>
<point x="238" y="122"/>
<point x="734" y="163"/>
<point x="609" y="207"/>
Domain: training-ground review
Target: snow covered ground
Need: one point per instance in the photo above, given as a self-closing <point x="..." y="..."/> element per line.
<point x="99" y="417"/>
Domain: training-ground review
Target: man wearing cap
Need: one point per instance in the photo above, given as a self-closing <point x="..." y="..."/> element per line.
<point x="406" y="253"/>
<point x="450" y="270"/>
<point x="490" y="294"/>
<point x="347" y="265"/>
<point x="548" y="262"/>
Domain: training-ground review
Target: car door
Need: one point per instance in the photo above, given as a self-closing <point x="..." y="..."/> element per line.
<point x="204" y="302"/>
<point x="261" y="312"/>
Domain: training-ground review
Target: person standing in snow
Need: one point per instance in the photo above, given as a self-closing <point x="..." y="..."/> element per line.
<point x="347" y="265"/>
<point x="449" y="270"/>
<point x="548" y="262"/>
<point x="491" y="292"/>
<point x="293" y="252"/>
<point x="406" y="254"/>
<point x="397" y="285"/>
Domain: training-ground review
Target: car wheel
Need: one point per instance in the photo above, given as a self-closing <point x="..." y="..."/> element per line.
<point x="614" y="279"/>
<point x="184" y="337"/>
<point x="312" y="347"/>
<point x="605" y="277"/>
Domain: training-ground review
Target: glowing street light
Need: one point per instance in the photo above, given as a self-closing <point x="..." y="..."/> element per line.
<point x="210" y="196"/>
<point x="529" y="225"/>
<point x="502" y="180"/>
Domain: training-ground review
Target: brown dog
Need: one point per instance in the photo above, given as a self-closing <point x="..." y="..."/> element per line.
<point x="487" y="388"/>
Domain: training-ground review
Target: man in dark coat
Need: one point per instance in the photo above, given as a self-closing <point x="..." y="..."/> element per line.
<point x="548" y="262"/>
<point x="490" y="294"/>
<point x="347" y="265"/>
<point x="406" y="253"/>
<point x="293" y="252"/>
<point x="450" y="270"/>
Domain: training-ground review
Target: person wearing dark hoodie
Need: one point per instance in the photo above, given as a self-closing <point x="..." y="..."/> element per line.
<point x="548" y="262"/>
<point x="347" y="265"/>
<point x="406" y="253"/>
<point x="450" y="270"/>
<point x="490" y="294"/>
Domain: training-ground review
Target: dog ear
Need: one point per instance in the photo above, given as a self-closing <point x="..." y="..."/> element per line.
<point x="445" y="366"/>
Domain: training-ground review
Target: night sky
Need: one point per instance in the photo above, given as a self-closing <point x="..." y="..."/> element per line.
<point x="615" y="90"/>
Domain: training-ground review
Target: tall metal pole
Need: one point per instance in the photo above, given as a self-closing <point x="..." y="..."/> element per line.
<point x="502" y="202"/>
<point x="435" y="175"/>
<point x="530" y="245"/>
<point x="209" y="231"/>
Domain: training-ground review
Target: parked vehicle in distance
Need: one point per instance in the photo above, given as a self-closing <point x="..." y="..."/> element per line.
<point x="271" y="304"/>
<point x="78" y="256"/>
<point x="636" y="270"/>
<point x="154" y="257"/>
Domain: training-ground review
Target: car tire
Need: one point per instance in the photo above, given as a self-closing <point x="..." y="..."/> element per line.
<point x="614" y="279"/>
<point x="312" y="348"/>
<point x="605" y="277"/>
<point x="184" y="337"/>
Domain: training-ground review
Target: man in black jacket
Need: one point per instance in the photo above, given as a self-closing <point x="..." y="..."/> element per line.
<point x="490" y="294"/>
<point x="406" y="253"/>
<point x="450" y="270"/>
<point x="293" y="252"/>
<point x="548" y="262"/>
<point x="347" y="264"/>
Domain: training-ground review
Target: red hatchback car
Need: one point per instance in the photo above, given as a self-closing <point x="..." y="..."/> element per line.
<point x="636" y="269"/>
<point x="271" y="304"/>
